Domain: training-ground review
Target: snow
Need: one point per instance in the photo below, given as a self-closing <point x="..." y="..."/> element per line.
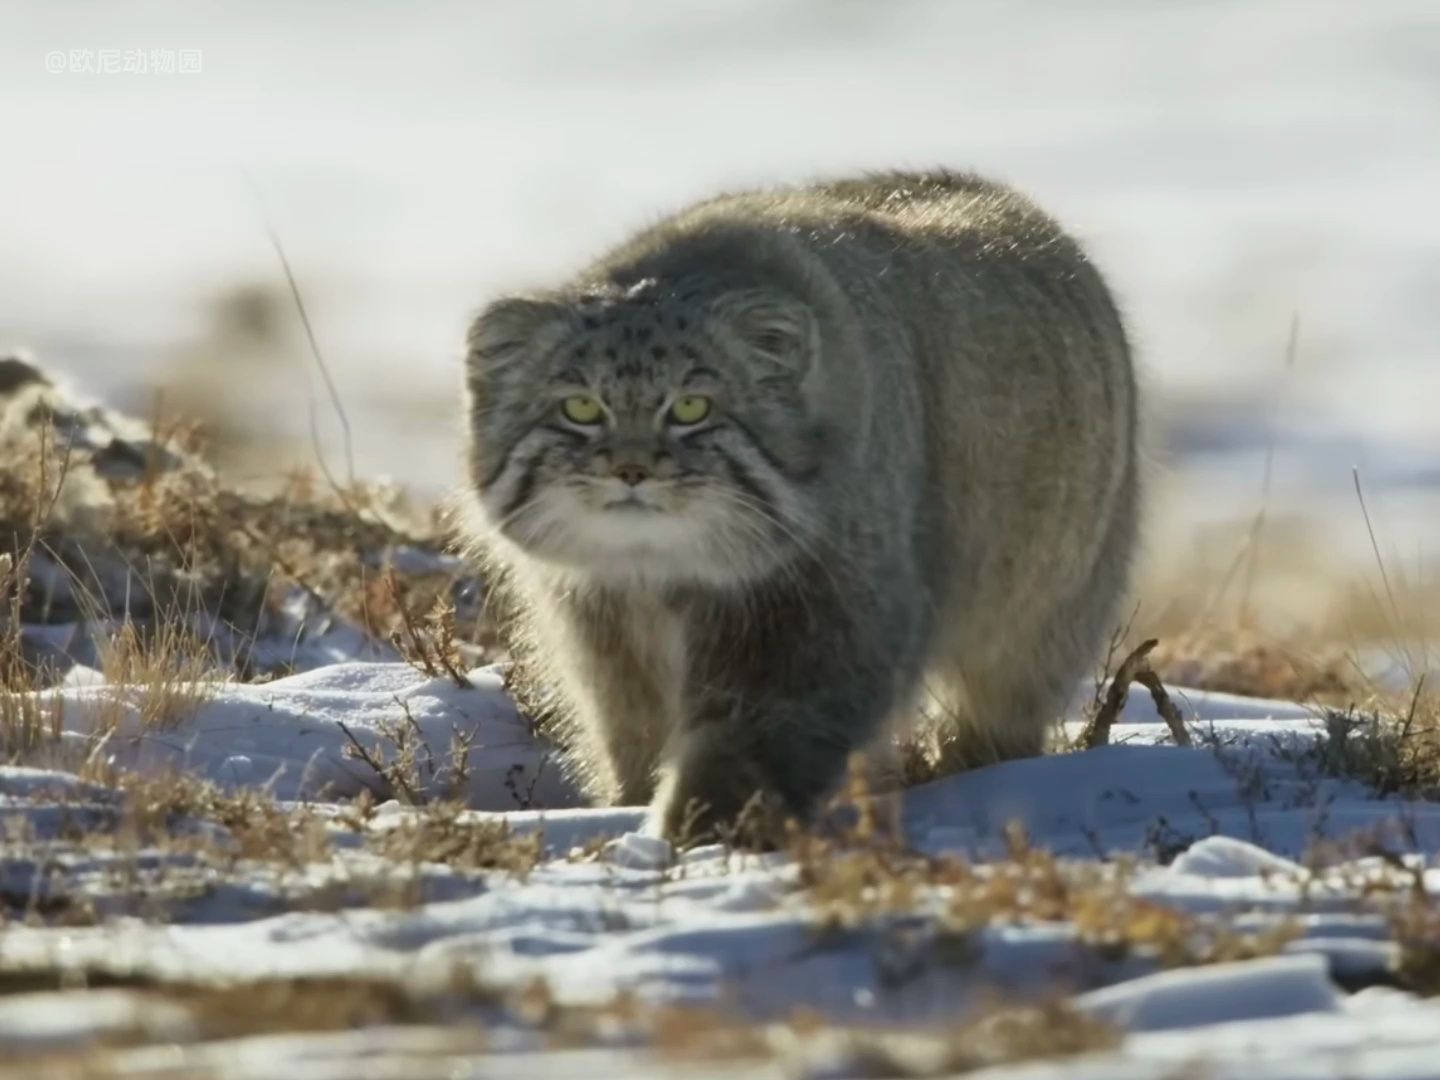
<point x="1221" y="831"/>
<point x="287" y="736"/>
<point x="1224" y="993"/>
<point x="35" y="1022"/>
<point x="1210" y="155"/>
<point x="1223" y="857"/>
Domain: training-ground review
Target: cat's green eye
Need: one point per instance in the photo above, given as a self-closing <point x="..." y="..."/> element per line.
<point x="581" y="409"/>
<point x="690" y="409"/>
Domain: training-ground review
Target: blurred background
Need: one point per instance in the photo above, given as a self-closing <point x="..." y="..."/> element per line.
<point x="1258" y="181"/>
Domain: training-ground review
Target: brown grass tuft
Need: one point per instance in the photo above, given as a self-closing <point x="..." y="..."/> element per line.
<point x="1006" y="1035"/>
<point x="853" y="877"/>
<point x="446" y="834"/>
<point x="1243" y="663"/>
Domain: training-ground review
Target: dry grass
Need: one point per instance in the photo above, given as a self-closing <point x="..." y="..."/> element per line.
<point x="272" y="1006"/>
<point x="1241" y="662"/>
<point x="140" y="536"/>
<point x="167" y="676"/>
<point x="1392" y="754"/>
<point x="1005" y="1035"/>
<point x="160" y="810"/>
<point x="404" y="765"/>
<point x="1416" y="928"/>
<point x="430" y="644"/>
<point x="1383" y="736"/>
<point x="150" y="845"/>
<point x="151" y="685"/>
<point x="210" y="1012"/>
<point x="685" y="1036"/>
<point x="867" y="871"/>
<point x="1374" y="866"/>
<point x="111" y="522"/>
<point x="442" y="833"/>
<point x="143" y="820"/>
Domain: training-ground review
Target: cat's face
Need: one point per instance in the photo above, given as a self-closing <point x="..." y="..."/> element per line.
<point x="645" y="435"/>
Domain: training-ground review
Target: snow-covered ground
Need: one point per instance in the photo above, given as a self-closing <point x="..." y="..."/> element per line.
<point x="1225" y="836"/>
<point x="1232" y="165"/>
<point x="1239" y="909"/>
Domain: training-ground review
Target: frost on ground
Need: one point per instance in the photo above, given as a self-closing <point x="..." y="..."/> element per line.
<point x="1141" y="908"/>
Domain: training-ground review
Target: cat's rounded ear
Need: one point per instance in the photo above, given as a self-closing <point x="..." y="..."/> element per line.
<point x="512" y="328"/>
<point x="774" y="328"/>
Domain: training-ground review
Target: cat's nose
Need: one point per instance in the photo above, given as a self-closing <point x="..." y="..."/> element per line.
<point x="630" y="473"/>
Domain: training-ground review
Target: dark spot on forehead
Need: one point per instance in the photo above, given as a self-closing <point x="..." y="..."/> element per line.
<point x="658" y="352"/>
<point x="611" y="354"/>
<point x="591" y="323"/>
<point x="582" y="351"/>
<point x="680" y="322"/>
<point x="688" y="353"/>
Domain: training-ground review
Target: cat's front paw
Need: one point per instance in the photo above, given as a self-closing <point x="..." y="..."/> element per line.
<point x="718" y="802"/>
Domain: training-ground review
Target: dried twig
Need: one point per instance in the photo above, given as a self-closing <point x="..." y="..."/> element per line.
<point x="1135" y="668"/>
<point x="1147" y="678"/>
<point x="430" y="652"/>
<point x="393" y="777"/>
<point x="341" y="493"/>
<point x="419" y="654"/>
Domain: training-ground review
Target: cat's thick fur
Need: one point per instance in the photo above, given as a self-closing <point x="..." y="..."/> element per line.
<point x="918" y="481"/>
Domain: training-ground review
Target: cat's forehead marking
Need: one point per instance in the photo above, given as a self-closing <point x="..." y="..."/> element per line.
<point x="637" y="334"/>
<point x="642" y="309"/>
